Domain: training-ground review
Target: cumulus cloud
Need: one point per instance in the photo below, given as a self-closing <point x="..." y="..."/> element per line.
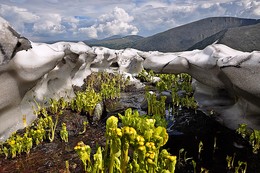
<point x="154" y="17"/>
<point x="116" y="22"/>
<point x="91" y="32"/>
<point x="81" y="20"/>
<point x="18" y="17"/>
<point x="49" y="23"/>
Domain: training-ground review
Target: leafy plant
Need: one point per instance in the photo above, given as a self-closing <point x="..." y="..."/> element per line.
<point x="109" y="85"/>
<point x="252" y="135"/>
<point x="85" y="123"/>
<point x="134" y="147"/>
<point x="64" y="133"/>
<point x="155" y="107"/>
<point x="241" y="166"/>
<point x="145" y="76"/>
<point x="85" y="101"/>
<point x="83" y="152"/>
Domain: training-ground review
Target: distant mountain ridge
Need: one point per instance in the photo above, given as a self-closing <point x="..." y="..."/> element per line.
<point x="238" y="33"/>
<point x="186" y="36"/>
<point x="115" y="42"/>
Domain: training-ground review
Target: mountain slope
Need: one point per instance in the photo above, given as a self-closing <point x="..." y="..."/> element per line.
<point x="245" y="38"/>
<point x="115" y="42"/>
<point x="184" y="37"/>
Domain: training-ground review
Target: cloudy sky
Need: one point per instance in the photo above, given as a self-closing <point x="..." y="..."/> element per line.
<point x="46" y="20"/>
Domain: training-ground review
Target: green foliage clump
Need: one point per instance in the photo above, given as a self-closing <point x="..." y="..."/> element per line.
<point x="17" y="144"/>
<point x="241" y="166"/>
<point x="180" y="83"/>
<point x="133" y="147"/>
<point x="85" y="101"/>
<point x="145" y="76"/>
<point x="109" y="85"/>
<point x="43" y="128"/>
<point x="252" y="135"/>
<point x="167" y="81"/>
<point x="155" y="107"/>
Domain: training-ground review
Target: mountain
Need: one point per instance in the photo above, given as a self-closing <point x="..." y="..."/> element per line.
<point x="186" y="36"/>
<point x="245" y="38"/>
<point x="115" y="42"/>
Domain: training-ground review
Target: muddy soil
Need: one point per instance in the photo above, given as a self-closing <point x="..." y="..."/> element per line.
<point x="51" y="157"/>
<point x="186" y="131"/>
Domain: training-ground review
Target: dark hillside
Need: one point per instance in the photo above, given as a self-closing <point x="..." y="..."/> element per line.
<point x="184" y="37"/>
<point x="245" y="38"/>
<point x="115" y="42"/>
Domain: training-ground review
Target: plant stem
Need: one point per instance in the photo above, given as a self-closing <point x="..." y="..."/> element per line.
<point x="53" y="128"/>
<point x="124" y="159"/>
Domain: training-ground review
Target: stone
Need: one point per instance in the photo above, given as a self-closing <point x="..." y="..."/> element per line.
<point x="10" y="42"/>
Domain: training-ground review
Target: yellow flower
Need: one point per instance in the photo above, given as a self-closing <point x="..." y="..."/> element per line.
<point x="172" y="158"/>
<point x="152" y="155"/>
<point x="12" y="142"/>
<point x="142" y="148"/>
<point x="118" y="132"/>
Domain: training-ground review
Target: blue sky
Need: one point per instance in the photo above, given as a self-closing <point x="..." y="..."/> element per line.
<point x="46" y="20"/>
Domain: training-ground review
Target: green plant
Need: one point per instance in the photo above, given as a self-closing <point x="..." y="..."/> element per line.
<point x="165" y="159"/>
<point x="36" y="133"/>
<point x="230" y="161"/>
<point x="194" y="164"/>
<point x="145" y="76"/>
<point x="139" y="135"/>
<point x="64" y="133"/>
<point x="17" y="144"/>
<point x="98" y="162"/>
<point x="53" y="126"/>
<point x="155" y="107"/>
<point x="67" y="165"/>
<point x="83" y="152"/>
<point x="85" y="123"/>
<point x="85" y="101"/>
<point x="200" y="149"/>
<point x="109" y="85"/>
<point x="242" y="167"/>
<point x="54" y="106"/>
<point x="175" y="83"/>
<point x="113" y="135"/>
<point x="252" y="135"/>
<point x="182" y="157"/>
<point x="243" y="130"/>
<point x="254" y="140"/>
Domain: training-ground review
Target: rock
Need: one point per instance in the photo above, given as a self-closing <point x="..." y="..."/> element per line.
<point x="127" y="100"/>
<point x="226" y="80"/>
<point x="98" y="111"/>
<point x="10" y="42"/>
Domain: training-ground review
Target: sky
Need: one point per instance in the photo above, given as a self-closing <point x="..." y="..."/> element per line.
<point x="50" y="20"/>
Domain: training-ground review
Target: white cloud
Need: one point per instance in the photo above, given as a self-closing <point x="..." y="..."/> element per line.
<point x="54" y="19"/>
<point x="116" y="22"/>
<point x="118" y="14"/>
<point x="18" y="17"/>
<point x="49" y="24"/>
<point x="91" y="32"/>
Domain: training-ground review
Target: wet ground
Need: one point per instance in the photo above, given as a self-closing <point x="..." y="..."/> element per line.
<point x="218" y="142"/>
<point x="187" y="130"/>
<point x="51" y="157"/>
